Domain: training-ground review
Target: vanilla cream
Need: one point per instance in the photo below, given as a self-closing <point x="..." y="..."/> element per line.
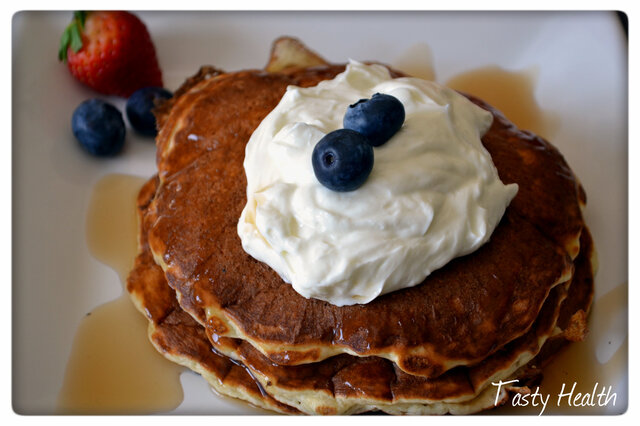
<point x="433" y="194"/>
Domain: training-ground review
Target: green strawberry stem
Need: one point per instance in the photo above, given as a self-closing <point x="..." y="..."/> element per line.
<point x="72" y="35"/>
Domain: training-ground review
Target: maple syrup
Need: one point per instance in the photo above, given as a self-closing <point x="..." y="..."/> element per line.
<point x="113" y="368"/>
<point x="512" y="93"/>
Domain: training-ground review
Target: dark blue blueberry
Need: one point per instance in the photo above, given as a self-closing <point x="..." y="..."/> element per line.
<point x="99" y="127"/>
<point x="342" y="160"/>
<point x="378" y="118"/>
<point x="139" y="106"/>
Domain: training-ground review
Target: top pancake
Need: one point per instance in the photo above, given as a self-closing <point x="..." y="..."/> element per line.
<point x="461" y="313"/>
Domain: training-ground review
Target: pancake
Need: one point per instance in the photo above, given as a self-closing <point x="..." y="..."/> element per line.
<point x="459" y="315"/>
<point x="322" y="380"/>
<point x="343" y="384"/>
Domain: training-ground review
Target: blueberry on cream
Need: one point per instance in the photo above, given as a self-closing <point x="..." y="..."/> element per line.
<point x="378" y="118"/>
<point x="342" y="160"/>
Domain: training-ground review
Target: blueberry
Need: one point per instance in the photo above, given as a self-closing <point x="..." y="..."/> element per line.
<point x="99" y="127"/>
<point x="139" y="106"/>
<point x="342" y="160"/>
<point x="378" y="118"/>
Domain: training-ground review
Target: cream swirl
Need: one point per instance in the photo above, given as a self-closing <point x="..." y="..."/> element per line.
<point x="433" y="194"/>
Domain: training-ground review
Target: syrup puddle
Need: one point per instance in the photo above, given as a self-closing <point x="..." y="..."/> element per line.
<point x="113" y="368"/>
<point x="510" y="92"/>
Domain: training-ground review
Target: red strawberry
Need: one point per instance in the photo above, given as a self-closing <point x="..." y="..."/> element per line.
<point x="110" y="52"/>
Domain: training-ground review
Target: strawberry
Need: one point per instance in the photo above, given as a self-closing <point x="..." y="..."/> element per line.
<point x="110" y="52"/>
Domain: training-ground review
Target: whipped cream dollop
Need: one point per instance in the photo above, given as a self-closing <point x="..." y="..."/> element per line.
<point x="433" y="194"/>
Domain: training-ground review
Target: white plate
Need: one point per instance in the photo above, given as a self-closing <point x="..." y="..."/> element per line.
<point x="580" y="59"/>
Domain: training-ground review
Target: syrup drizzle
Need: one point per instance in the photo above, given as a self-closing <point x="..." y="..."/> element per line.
<point x="113" y="368"/>
<point x="512" y="93"/>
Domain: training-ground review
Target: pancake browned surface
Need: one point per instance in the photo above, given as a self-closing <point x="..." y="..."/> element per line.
<point x="342" y="384"/>
<point x="463" y="312"/>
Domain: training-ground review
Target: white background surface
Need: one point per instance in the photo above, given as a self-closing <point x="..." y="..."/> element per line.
<point x="581" y="63"/>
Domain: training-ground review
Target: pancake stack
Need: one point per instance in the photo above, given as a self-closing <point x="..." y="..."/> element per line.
<point x="500" y="313"/>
